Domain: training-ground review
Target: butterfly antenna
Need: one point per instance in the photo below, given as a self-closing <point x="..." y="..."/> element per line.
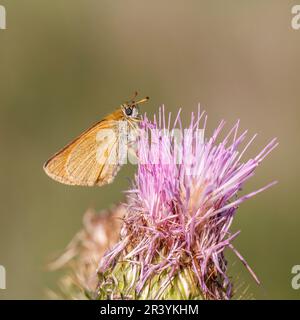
<point x="143" y="100"/>
<point x="132" y="99"/>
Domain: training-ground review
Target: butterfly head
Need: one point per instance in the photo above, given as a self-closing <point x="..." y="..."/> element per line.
<point x="131" y="108"/>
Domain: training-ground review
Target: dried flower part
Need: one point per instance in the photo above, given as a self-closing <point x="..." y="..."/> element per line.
<point x="179" y="214"/>
<point x="81" y="257"/>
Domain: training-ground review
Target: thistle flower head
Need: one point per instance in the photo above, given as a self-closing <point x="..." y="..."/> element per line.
<point x="179" y="213"/>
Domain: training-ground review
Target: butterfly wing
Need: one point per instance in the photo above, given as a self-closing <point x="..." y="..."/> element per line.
<point x="89" y="160"/>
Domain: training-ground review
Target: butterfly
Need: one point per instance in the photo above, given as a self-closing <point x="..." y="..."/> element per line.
<point x="93" y="158"/>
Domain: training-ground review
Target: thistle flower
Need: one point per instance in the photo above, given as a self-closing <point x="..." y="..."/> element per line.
<point x="179" y="212"/>
<point x="81" y="257"/>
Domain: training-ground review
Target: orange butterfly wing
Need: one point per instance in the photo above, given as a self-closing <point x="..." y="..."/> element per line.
<point x="91" y="158"/>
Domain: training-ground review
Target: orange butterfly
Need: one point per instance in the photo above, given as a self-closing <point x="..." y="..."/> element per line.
<point x="94" y="157"/>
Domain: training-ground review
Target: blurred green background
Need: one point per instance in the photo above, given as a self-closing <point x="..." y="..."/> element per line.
<point x="65" y="64"/>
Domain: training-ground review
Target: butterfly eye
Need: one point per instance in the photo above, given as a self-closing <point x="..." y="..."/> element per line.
<point x="128" y="111"/>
